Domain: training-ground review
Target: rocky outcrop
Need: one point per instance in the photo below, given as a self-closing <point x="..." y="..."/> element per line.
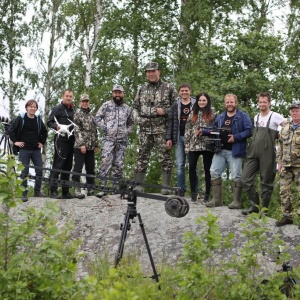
<point x="98" y="225"/>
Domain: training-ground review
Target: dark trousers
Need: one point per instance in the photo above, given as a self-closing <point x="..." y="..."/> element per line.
<point x="207" y="157"/>
<point x="36" y="157"/>
<point x="63" y="159"/>
<point x="87" y="159"/>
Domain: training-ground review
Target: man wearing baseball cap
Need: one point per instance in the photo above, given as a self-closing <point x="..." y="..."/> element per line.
<point x="288" y="159"/>
<point x="115" y="121"/>
<point x="151" y="108"/>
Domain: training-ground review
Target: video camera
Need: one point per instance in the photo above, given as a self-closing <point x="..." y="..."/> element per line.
<point x="212" y="141"/>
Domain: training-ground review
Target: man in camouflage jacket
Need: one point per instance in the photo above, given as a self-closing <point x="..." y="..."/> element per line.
<point x="86" y="144"/>
<point x="151" y="108"/>
<point x="288" y="159"/>
<point x="115" y="121"/>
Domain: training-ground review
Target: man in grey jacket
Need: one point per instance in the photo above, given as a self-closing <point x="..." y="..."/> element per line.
<point x="115" y="121"/>
<point x="178" y="115"/>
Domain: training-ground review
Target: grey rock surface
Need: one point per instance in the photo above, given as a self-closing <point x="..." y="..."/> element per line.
<point x="98" y="225"/>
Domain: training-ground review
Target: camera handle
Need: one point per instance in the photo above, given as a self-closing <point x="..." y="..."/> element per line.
<point x="130" y="214"/>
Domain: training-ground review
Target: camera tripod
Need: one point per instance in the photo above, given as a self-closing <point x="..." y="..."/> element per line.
<point x="130" y="214"/>
<point x="7" y="148"/>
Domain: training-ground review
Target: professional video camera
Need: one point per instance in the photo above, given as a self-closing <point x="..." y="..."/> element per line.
<point x="213" y="140"/>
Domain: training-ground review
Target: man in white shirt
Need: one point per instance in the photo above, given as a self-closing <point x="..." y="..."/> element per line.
<point x="261" y="154"/>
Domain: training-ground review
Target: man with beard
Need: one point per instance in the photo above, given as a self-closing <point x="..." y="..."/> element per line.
<point x="151" y="109"/>
<point x="115" y="121"/>
<point x="235" y="127"/>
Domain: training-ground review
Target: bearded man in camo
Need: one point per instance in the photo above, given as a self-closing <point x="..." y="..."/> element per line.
<point x="115" y="121"/>
<point x="151" y="108"/>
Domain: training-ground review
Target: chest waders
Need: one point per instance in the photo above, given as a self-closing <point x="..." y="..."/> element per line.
<point x="261" y="157"/>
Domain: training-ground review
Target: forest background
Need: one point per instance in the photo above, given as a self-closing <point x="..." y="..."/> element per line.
<point x="218" y="46"/>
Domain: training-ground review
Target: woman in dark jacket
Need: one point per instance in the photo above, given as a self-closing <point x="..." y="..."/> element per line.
<point x="195" y="144"/>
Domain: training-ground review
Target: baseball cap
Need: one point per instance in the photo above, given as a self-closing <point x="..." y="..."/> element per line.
<point x="84" y="97"/>
<point x="151" y="66"/>
<point x="295" y="104"/>
<point x="118" y="87"/>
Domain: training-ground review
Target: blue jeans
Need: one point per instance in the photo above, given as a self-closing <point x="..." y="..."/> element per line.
<point x="36" y="157"/>
<point x="180" y="164"/>
<point x="223" y="159"/>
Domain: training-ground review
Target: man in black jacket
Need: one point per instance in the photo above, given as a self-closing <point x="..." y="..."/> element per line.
<point x="62" y="114"/>
<point x="28" y="133"/>
<point x="178" y="115"/>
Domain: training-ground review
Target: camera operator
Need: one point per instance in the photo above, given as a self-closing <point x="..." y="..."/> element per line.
<point x="28" y="133"/>
<point x="236" y="128"/>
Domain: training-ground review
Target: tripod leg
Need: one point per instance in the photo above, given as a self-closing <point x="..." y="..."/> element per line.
<point x="122" y="239"/>
<point x="155" y="275"/>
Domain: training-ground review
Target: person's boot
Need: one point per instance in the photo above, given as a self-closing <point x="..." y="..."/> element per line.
<point x="237" y="195"/>
<point x="194" y="197"/>
<point x="24" y="196"/>
<point x="166" y="181"/>
<point x="265" y="205"/>
<point x="284" y="221"/>
<point x="206" y="198"/>
<point x="78" y="193"/>
<point x="254" y="201"/>
<point x="90" y="192"/>
<point x="139" y="178"/>
<point x="216" y="187"/>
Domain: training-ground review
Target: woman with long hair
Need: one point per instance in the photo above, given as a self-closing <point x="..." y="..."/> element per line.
<point x="196" y="144"/>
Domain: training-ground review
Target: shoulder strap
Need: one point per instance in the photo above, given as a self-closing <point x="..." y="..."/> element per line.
<point x="22" y="115"/>
<point x="164" y="86"/>
<point x="257" y="120"/>
<point x="268" y="124"/>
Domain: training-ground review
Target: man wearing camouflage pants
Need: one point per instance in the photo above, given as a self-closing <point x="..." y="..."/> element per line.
<point x="288" y="159"/>
<point x="115" y="121"/>
<point x="151" y="108"/>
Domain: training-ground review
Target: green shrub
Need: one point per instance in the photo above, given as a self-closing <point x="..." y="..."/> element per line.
<point x="38" y="259"/>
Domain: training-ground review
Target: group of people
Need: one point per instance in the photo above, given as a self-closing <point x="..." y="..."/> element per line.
<point x="166" y="119"/>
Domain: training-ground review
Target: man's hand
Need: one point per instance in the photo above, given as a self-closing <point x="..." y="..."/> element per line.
<point x="83" y="149"/>
<point x="160" y="111"/>
<point x="96" y="149"/>
<point x="20" y="144"/>
<point x="40" y="145"/>
<point x="279" y="167"/>
<point x="169" y="144"/>
<point x="230" y="138"/>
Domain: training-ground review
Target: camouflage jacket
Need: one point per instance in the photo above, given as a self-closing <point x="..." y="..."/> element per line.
<point x="115" y="121"/>
<point x="289" y="146"/>
<point x="86" y="132"/>
<point x="149" y="97"/>
<point x="197" y="143"/>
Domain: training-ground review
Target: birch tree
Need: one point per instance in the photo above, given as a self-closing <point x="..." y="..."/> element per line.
<point x="85" y="19"/>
